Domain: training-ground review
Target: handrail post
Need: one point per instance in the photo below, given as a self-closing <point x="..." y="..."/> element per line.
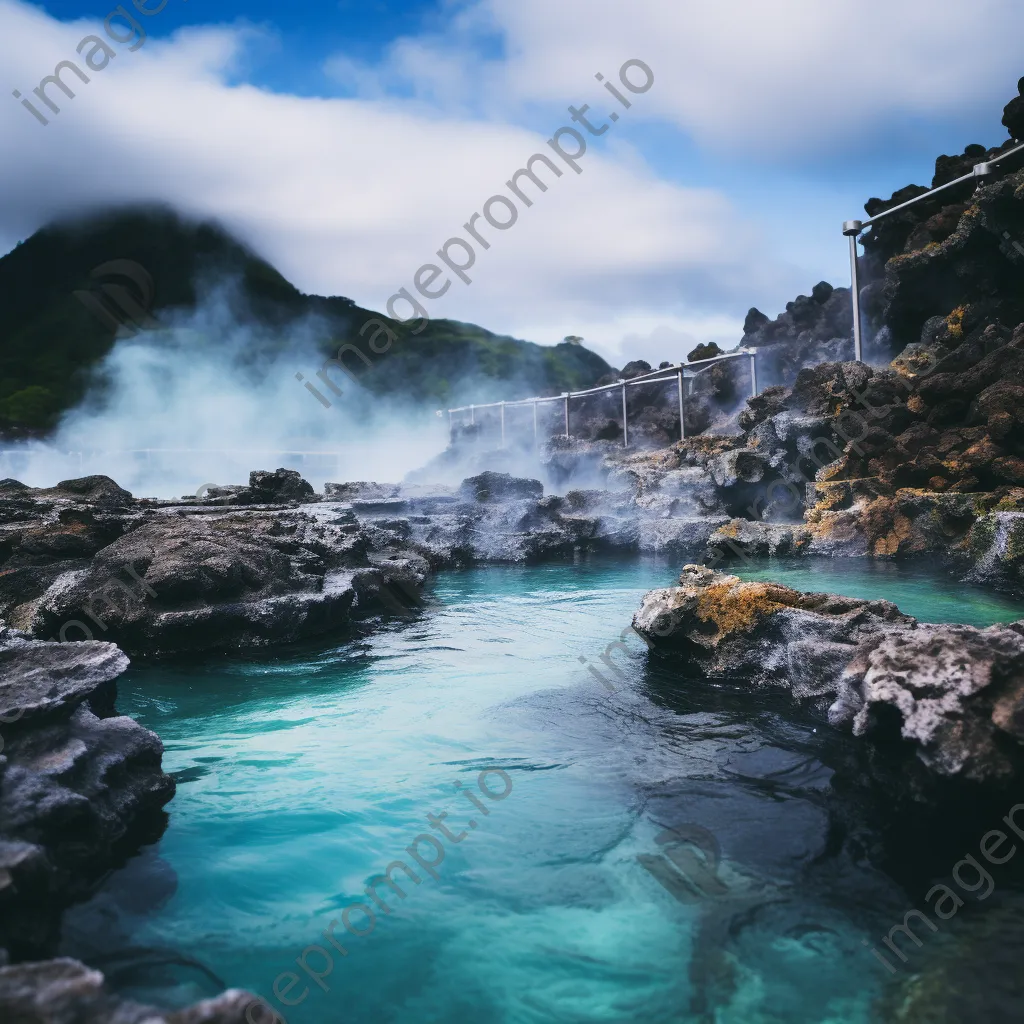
<point x="682" y="420"/>
<point x="852" y="229"/>
<point x="567" y="414"/>
<point x="502" y="424"/>
<point x="535" y="437"/>
<point x="625" y="419"/>
<point x="753" y="374"/>
<point x="472" y="416"/>
<point x="451" y="428"/>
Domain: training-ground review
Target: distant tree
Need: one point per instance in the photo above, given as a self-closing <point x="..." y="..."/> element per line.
<point x="573" y="339"/>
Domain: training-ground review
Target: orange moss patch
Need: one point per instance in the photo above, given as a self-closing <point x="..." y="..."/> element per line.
<point x="901" y="532"/>
<point x="831" y="497"/>
<point x="955" y="322"/>
<point x="736" y="607"/>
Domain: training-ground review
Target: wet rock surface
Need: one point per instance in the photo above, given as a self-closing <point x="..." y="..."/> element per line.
<point x="67" y="992"/>
<point x="958" y="691"/>
<point x="659" y="505"/>
<point x="765" y="632"/>
<point x="81" y="789"/>
<point x="169" y="577"/>
<point x="954" y="695"/>
<point x="77" y="781"/>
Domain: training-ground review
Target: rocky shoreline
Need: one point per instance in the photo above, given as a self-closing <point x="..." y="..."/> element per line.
<point x="90" y="576"/>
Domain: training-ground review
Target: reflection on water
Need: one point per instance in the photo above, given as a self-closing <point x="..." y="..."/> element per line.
<point x="670" y="851"/>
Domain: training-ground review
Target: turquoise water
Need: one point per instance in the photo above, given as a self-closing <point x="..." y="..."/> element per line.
<point x="305" y="774"/>
<point x="927" y="593"/>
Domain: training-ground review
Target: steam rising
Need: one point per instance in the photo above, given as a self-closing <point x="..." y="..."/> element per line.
<point x="210" y="398"/>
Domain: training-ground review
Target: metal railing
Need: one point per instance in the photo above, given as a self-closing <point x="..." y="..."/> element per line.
<point x="677" y="372"/>
<point x="853" y="228"/>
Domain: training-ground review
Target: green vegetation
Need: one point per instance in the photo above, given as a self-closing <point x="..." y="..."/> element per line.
<point x="51" y="344"/>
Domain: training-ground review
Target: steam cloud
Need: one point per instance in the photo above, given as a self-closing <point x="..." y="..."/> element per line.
<point x="210" y="398"/>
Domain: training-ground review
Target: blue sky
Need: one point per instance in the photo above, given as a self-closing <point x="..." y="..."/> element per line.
<point x="305" y="34"/>
<point x="347" y="140"/>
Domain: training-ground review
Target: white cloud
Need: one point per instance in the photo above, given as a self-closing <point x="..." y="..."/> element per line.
<point x="351" y="196"/>
<point x="780" y="79"/>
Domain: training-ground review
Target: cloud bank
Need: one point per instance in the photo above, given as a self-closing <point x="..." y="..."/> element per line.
<point x="349" y="194"/>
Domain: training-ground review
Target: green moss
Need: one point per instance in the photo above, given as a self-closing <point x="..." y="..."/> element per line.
<point x="33" y="407"/>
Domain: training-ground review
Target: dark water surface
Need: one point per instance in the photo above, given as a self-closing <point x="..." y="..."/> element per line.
<point x="668" y="850"/>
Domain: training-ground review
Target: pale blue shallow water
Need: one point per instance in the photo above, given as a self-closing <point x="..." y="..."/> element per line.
<point x="303" y="774"/>
<point x="928" y="594"/>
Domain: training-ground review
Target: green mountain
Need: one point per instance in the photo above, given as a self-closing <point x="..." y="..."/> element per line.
<point x="71" y="289"/>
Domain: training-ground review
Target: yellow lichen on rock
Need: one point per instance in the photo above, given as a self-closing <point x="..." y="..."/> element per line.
<point x="955" y="322"/>
<point x="734" y="606"/>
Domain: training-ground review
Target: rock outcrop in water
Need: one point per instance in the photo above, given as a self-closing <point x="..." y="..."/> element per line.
<point x="498" y="517"/>
<point x="764" y="632"/>
<point x="955" y="694"/>
<point x="76" y="780"/>
<point x="67" y="992"/>
<point x="81" y="787"/>
<point x="856" y="460"/>
<point x="957" y="691"/>
<point x="83" y="562"/>
<point x="87" y="561"/>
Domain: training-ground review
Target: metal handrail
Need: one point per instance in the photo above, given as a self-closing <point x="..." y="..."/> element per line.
<point x="645" y="379"/>
<point x="677" y="371"/>
<point x="853" y="228"/>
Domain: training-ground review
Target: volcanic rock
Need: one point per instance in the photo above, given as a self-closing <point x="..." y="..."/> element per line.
<point x="76" y="781"/>
<point x="67" y="992"/>
<point x="953" y="694"/>
<point x="957" y="693"/>
<point x="763" y="632"/>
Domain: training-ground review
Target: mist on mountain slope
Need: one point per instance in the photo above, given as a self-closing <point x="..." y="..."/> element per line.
<point x="206" y="399"/>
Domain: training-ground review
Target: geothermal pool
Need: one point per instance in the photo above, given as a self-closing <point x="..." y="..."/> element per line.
<point x="303" y="775"/>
